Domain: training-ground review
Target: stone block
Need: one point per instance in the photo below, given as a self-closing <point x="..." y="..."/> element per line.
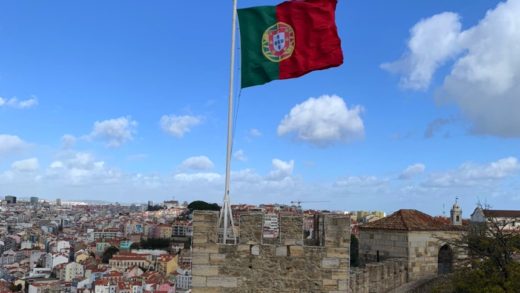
<point x="281" y="251"/>
<point x="200" y="258"/>
<point x="204" y="270"/>
<point x="225" y="282"/>
<point x="255" y="250"/>
<point x="343" y="285"/>
<point x="296" y="250"/>
<point x="217" y="258"/>
<point x="329" y="282"/>
<point x="198" y="281"/>
<point x="337" y="252"/>
<point x="205" y="248"/>
<point x="330" y="263"/>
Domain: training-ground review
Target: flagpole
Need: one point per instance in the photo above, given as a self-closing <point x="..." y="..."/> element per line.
<point x="226" y="216"/>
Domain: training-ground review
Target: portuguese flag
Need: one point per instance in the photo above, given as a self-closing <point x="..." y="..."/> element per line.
<point x="288" y="40"/>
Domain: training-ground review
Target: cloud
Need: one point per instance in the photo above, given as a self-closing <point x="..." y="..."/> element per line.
<point x="193" y="177"/>
<point x="281" y="169"/>
<point x="197" y="163"/>
<point x="27" y="165"/>
<point x="179" y="125"/>
<point x="411" y="171"/>
<point x="15" y="103"/>
<point x="469" y="174"/>
<point x="253" y="132"/>
<point x="435" y="126"/>
<point x="11" y="143"/>
<point x="240" y="155"/>
<point x="484" y="79"/>
<point x="432" y="42"/>
<point x="360" y="181"/>
<point x="323" y="121"/>
<point x="115" y="132"/>
<point x="80" y="168"/>
<point x="68" y="141"/>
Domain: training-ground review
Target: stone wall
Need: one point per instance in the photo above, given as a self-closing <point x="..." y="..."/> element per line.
<point x="424" y="251"/>
<point x="378" y="277"/>
<point x="420" y="249"/>
<point x="389" y="244"/>
<point x="286" y="266"/>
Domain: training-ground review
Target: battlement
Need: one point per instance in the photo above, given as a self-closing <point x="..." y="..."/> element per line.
<point x="275" y="264"/>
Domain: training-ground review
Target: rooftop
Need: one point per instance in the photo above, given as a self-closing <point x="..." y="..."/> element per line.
<point x="410" y="220"/>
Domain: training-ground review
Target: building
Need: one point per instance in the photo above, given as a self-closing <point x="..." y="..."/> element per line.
<point x="124" y="261"/>
<point x="510" y="219"/>
<point x="420" y="239"/>
<point x="58" y="202"/>
<point x="10" y="199"/>
<point x="162" y="231"/>
<point x="34" y="200"/>
<point x="167" y="264"/>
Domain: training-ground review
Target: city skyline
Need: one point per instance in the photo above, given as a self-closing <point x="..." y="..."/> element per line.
<point x="127" y="102"/>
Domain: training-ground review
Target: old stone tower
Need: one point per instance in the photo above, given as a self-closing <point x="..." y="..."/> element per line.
<point x="456" y="214"/>
<point x="287" y="263"/>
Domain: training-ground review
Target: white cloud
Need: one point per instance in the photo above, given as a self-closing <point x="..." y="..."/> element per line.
<point x="191" y="177"/>
<point x="469" y="174"/>
<point x="15" y="103"/>
<point x="114" y="132"/>
<point x="240" y="155"/>
<point x="253" y="132"/>
<point x="27" y="165"/>
<point x="323" y="121"/>
<point x="281" y="169"/>
<point x="197" y="163"/>
<point x="432" y="42"/>
<point x="80" y="168"/>
<point x="411" y="171"/>
<point x="68" y="141"/>
<point x="11" y="143"/>
<point x="360" y="181"/>
<point x="484" y="80"/>
<point x="179" y="125"/>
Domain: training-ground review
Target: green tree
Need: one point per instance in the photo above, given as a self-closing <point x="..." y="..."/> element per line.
<point x="490" y="265"/>
<point x="202" y="205"/>
<point x="354" y="251"/>
<point x="109" y="252"/>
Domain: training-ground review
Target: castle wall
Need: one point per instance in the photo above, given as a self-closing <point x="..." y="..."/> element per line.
<point x="424" y="251"/>
<point x="378" y="277"/>
<point x="390" y="244"/>
<point x="282" y="265"/>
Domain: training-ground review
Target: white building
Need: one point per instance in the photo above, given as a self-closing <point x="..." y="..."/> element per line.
<point x="54" y="259"/>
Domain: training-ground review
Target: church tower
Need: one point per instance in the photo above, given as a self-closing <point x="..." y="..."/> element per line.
<point x="456" y="214"/>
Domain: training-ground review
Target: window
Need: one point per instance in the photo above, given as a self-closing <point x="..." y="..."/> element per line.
<point x="457" y="219"/>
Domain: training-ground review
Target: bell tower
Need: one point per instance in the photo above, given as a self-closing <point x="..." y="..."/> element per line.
<point x="456" y="214"/>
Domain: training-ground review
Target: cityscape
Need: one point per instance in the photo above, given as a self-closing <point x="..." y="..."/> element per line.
<point x="292" y="146"/>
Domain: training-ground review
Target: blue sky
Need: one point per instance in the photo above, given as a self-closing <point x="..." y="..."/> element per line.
<point x="127" y="101"/>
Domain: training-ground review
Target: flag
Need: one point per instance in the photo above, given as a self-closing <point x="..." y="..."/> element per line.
<point x="288" y="40"/>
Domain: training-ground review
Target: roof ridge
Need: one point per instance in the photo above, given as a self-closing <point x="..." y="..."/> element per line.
<point x="403" y="220"/>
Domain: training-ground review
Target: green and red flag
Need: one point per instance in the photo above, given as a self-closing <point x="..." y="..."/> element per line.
<point x="288" y="40"/>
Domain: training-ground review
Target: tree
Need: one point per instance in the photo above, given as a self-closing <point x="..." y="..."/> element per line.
<point x="354" y="251"/>
<point x="203" y="206"/>
<point x="490" y="265"/>
<point x="109" y="252"/>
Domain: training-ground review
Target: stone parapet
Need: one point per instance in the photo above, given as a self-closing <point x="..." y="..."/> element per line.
<point x="284" y="266"/>
<point x="379" y="277"/>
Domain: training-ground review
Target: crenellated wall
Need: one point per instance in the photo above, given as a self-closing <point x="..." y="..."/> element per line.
<point x="378" y="277"/>
<point x="282" y="264"/>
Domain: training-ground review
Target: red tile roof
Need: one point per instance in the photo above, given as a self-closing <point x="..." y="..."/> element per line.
<point x="501" y="213"/>
<point x="410" y="220"/>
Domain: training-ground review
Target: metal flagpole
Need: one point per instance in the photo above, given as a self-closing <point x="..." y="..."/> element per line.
<point x="226" y="216"/>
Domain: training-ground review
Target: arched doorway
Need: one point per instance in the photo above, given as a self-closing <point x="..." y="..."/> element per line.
<point x="445" y="260"/>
